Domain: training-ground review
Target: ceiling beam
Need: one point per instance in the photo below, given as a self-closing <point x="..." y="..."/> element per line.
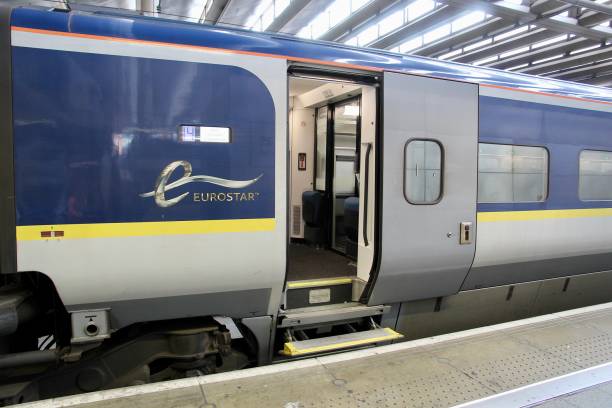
<point x="604" y="79"/>
<point x="237" y="12"/>
<point x="569" y="61"/>
<point x="561" y="47"/>
<point x="591" y="5"/>
<point x="547" y="7"/>
<point x="521" y="40"/>
<point x="305" y="16"/>
<point x="522" y="14"/>
<point x="345" y="28"/>
<point x="478" y="31"/>
<point x="507" y="44"/>
<point x="213" y="11"/>
<point x="294" y="7"/>
<point x="416" y="27"/>
<point x="585" y="71"/>
<point x="146" y="6"/>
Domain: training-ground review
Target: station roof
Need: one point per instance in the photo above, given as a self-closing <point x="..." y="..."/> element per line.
<point x="563" y="39"/>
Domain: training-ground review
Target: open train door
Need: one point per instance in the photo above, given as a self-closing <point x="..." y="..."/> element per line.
<point x="429" y="188"/>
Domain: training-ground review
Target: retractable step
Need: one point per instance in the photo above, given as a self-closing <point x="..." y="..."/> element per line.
<point x="318" y="292"/>
<point x="339" y="342"/>
<point x="336" y="314"/>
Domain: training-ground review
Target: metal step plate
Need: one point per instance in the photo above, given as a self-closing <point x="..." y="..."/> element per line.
<point x="343" y="341"/>
<point x="317" y="315"/>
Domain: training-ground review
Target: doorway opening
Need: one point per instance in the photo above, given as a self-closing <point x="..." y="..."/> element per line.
<point x="331" y="179"/>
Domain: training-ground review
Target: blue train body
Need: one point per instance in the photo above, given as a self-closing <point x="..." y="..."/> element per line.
<point x="114" y="216"/>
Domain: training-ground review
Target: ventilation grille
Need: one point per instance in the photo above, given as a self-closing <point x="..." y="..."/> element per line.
<point x="297" y="220"/>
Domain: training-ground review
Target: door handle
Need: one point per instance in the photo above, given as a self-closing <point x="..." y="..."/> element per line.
<point x="465" y="233"/>
<point x="366" y="185"/>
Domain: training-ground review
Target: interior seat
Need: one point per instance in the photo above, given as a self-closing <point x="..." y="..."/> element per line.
<point x="314" y="214"/>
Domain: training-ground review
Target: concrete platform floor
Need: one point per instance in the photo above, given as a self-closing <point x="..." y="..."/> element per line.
<point x="599" y="396"/>
<point x="440" y="371"/>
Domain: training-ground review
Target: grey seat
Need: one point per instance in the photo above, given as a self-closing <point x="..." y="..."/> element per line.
<point x="314" y="213"/>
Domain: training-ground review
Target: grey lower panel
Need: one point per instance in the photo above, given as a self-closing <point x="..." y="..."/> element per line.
<point x="483" y="307"/>
<point x="497" y="275"/>
<point x="236" y="304"/>
<point x="261" y="328"/>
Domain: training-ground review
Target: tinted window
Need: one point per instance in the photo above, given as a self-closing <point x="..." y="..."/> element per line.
<point x="423" y="171"/>
<point x="512" y="174"/>
<point x="595" y="175"/>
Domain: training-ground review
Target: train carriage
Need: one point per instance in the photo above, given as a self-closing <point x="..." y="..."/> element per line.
<point x="179" y="199"/>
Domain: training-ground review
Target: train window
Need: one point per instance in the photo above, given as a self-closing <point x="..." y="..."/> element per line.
<point x="595" y="181"/>
<point x="512" y="174"/>
<point x="422" y="171"/>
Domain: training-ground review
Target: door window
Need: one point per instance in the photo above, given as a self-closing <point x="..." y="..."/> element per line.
<point x="423" y="171"/>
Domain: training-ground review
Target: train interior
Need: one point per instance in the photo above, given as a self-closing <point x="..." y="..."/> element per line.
<point x="325" y="136"/>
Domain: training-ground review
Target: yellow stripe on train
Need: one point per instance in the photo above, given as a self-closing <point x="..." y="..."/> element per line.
<point x="141" y="229"/>
<point x="543" y="214"/>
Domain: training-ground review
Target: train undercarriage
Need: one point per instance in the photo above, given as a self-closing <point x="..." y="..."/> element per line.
<point x="38" y="360"/>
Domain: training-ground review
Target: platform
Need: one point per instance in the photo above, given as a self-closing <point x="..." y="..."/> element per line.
<point x="558" y="360"/>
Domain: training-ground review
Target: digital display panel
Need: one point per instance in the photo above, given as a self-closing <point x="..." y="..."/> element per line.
<point x="204" y="134"/>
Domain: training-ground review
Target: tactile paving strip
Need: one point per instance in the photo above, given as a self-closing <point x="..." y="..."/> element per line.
<point x="430" y="391"/>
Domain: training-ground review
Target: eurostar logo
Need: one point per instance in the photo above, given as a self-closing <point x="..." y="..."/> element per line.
<point x="162" y="186"/>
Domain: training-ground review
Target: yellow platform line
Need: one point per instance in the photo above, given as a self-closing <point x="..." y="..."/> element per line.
<point x="141" y="229"/>
<point x="496" y="216"/>
<point x="318" y="282"/>
<point x="290" y="349"/>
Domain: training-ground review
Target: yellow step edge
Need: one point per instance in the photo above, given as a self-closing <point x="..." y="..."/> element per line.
<point x="290" y="349"/>
<point x="318" y="282"/>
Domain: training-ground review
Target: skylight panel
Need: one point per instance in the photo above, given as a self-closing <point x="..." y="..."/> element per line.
<point x="352" y="41"/>
<point x="419" y="8"/>
<point x="266" y="13"/>
<point x="541" y="60"/>
<point x="450" y="54"/>
<point x="338" y="11"/>
<point x="320" y="25"/>
<point x="553" y="40"/>
<point x="515" y="51"/>
<point x="467" y="21"/>
<point x="411" y="44"/>
<point x="511" y="33"/>
<point x="478" y="44"/>
<point x="485" y="60"/>
<point x="334" y="14"/>
<point x="368" y="35"/>
<point x="391" y="22"/>
<point x="437" y="33"/>
<point x="357" y="4"/>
